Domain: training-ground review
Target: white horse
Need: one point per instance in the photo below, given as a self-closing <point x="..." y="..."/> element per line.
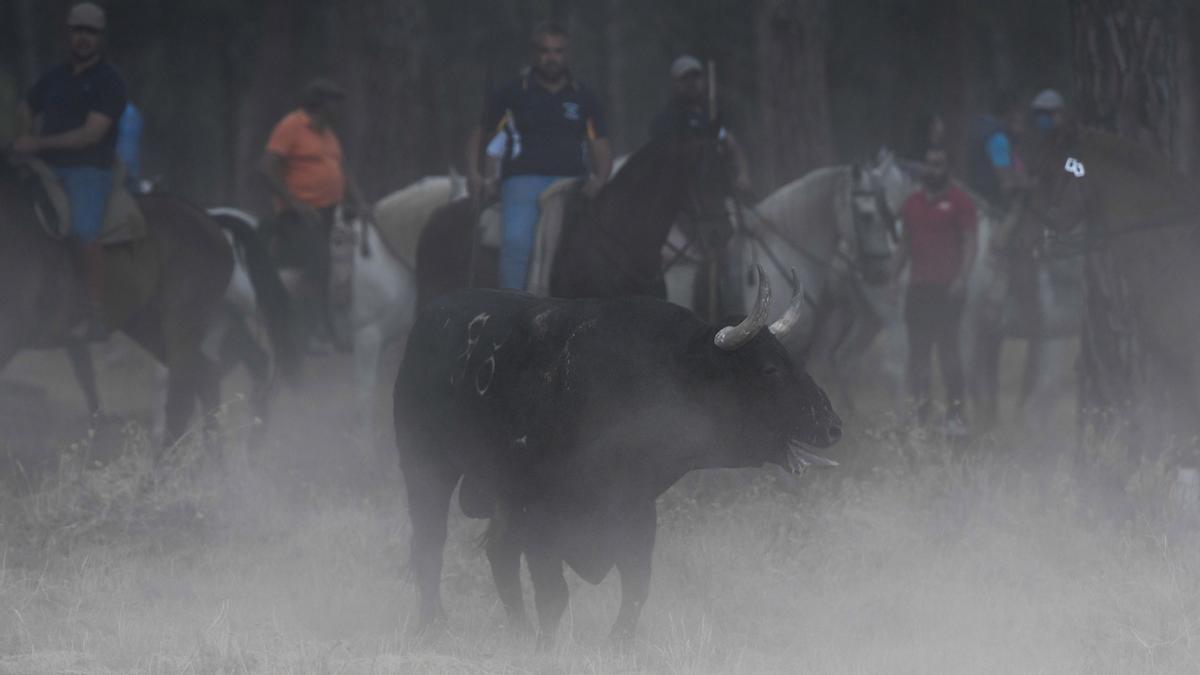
<point x="827" y="227"/>
<point x="383" y="280"/>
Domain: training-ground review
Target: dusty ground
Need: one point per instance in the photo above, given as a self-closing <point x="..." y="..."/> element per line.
<point x="290" y="558"/>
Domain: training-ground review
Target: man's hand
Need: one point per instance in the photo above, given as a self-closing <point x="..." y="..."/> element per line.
<point x="477" y="188"/>
<point x="592" y="186"/>
<point x="26" y="145"/>
<point x="307" y="213"/>
<point x="742" y="185"/>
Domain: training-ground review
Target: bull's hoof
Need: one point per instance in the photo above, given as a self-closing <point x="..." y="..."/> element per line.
<point x="622" y="637"/>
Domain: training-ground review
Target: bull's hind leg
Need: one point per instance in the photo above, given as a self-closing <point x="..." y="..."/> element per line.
<point x="85" y="374"/>
<point x="633" y="563"/>
<point x="430" y="483"/>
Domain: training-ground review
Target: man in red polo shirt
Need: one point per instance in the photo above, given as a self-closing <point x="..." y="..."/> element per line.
<point x="939" y="240"/>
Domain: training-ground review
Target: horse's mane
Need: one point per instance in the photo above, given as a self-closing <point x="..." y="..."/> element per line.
<point x="635" y="168"/>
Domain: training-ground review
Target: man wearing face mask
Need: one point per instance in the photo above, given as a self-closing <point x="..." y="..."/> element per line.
<point x="939" y="241"/>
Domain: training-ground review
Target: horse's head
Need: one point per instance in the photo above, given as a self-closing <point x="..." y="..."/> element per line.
<point x="704" y="166"/>
<point x="873" y="217"/>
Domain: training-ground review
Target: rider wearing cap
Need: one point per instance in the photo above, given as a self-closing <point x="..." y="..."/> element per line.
<point x="996" y="170"/>
<point x="687" y="116"/>
<point x="1049" y="111"/>
<point x="305" y="168"/>
<point x="550" y="117"/>
<point x="69" y="120"/>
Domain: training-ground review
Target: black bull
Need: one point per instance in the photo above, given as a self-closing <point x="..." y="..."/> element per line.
<point x="566" y="419"/>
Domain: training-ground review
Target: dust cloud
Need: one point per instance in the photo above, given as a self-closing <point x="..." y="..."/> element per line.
<point x="914" y="557"/>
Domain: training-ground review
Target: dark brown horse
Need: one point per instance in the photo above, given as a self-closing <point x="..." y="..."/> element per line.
<point x="610" y="246"/>
<point x="1141" y="247"/>
<point x="166" y="310"/>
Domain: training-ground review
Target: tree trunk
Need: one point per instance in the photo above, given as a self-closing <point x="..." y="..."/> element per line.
<point x="1126" y="81"/>
<point x="270" y="93"/>
<point x="1125" y="67"/>
<point x="793" y="91"/>
<point x="383" y="48"/>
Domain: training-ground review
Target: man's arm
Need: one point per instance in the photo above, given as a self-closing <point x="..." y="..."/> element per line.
<point x="970" y="243"/>
<point x="600" y="154"/>
<point x="26" y="123"/>
<point x="272" y="166"/>
<point x="741" y="165"/>
<point x="92" y="131"/>
<point x="473" y="150"/>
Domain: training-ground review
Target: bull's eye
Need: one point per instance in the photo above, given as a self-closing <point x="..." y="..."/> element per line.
<point x="770" y="370"/>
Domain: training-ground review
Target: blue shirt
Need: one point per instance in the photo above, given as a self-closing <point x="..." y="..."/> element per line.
<point x="547" y="129"/>
<point x="129" y="142"/>
<point x="64" y="99"/>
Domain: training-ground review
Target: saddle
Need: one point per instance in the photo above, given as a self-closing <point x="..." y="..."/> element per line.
<point x="123" y="221"/>
<point x="554" y="210"/>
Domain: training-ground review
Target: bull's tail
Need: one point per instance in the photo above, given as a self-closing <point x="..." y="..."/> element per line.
<point x="269" y="293"/>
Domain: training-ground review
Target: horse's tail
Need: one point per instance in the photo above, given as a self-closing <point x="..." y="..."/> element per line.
<point x="269" y="292"/>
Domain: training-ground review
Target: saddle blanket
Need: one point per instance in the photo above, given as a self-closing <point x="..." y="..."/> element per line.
<point x="123" y="221"/>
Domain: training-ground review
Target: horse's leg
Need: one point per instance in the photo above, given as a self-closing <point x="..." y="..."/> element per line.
<point x="240" y="348"/>
<point x="368" y="345"/>
<point x="85" y="374"/>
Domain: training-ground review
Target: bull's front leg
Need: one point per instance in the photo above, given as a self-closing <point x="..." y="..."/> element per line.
<point x="430" y="484"/>
<point x="504" y="555"/>
<point x="633" y="563"/>
<point x="549" y="587"/>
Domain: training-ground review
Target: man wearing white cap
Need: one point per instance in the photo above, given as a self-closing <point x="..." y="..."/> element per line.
<point x="1049" y="110"/>
<point x="687" y="116"/>
<point x="69" y="119"/>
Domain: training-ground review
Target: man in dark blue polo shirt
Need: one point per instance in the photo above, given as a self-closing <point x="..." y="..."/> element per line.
<point x="550" y="117"/>
<point x="69" y="119"/>
<point x="687" y="117"/>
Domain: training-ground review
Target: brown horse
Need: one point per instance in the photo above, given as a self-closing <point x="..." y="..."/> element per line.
<point x="1141" y="246"/>
<point x="166" y="312"/>
<point x="611" y="246"/>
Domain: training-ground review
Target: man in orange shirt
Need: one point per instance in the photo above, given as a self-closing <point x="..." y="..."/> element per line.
<point x="304" y="166"/>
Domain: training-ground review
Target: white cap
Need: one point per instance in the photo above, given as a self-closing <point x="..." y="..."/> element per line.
<point x="86" y="15"/>
<point x="686" y="64"/>
<point x="1048" y="99"/>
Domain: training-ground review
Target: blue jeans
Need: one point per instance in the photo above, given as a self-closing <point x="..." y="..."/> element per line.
<point x="88" y="188"/>
<point x="519" y="209"/>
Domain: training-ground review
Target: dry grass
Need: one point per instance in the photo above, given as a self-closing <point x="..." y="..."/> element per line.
<point x="931" y="561"/>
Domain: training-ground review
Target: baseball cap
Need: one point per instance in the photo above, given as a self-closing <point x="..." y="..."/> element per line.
<point x="686" y="64"/>
<point x="86" y="15"/>
<point x="1048" y="99"/>
<point x="320" y="90"/>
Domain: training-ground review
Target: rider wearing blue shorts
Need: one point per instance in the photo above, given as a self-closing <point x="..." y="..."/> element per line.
<point x="70" y="121"/>
<point x="550" y="117"/>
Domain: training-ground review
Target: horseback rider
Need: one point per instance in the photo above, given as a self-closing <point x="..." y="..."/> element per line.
<point x="69" y="120"/>
<point x="1049" y="110"/>
<point x="550" y="116"/>
<point x="687" y="116"/>
<point x="996" y="170"/>
<point x="305" y="168"/>
<point x="939" y="240"/>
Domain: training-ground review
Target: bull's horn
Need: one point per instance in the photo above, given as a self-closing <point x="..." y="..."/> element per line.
<point x="732" y="337"/>
<point x="784" y="324"/>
